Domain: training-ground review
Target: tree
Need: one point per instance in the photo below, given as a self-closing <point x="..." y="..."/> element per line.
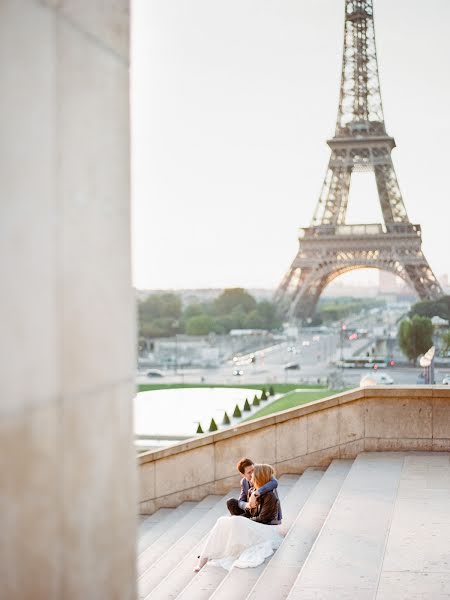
<point x="226" y="419"/>
<point x="247" y="405"/>
<point x="225" y="322"/>
<point x="253" y="320"/>
<point x="264" y="394"/>
<point x="159" y="315"/>
<point x="231" y="298"/>
<point x="415" y="336"/>
<point x="268" y="312"/>
<point x="193" y="310"/>
<point x="255" y="401"/>
<point x="238" y="317"/>
<point x="159" y="306"/>
<point x="433" y="308"/>
<point x="237" y="414"/>
<point x="199" y="429"/>
<point x="160" y="327"/>
<point x="445" y="337"/>
<point x="271" y="391"/>
<point x="200" y="325"/>
<point x="213" y="426"/>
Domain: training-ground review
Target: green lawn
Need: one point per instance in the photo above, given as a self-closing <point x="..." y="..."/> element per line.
<point x="291" y="400"/>
<point x="280" y="388"/>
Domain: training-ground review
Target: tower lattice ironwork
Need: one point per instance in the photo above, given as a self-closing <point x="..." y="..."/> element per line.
<point x="330" y="247"/>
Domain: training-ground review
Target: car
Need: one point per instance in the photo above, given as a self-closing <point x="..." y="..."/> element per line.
<point x="291" y="367"/>
<point x="155" y="373"/>
<point x="238" y="372"/>
<point x="305" y="343"/>
<point x="446" y="380"/>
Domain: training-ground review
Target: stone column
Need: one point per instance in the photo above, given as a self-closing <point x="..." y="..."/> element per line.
<point x="67" y="336"/>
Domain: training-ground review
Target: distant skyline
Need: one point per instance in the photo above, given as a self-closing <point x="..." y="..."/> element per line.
<point x="232" y="104"/>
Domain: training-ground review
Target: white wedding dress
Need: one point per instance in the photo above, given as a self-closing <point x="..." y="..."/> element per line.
<point x="240" y="542"/>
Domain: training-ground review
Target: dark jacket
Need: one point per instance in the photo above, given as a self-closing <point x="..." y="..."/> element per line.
<point x="246" y="490"/>
<point x="266" y="510"/>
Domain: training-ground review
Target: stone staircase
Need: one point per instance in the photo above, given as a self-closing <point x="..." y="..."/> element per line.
<point x="377" y="527"/>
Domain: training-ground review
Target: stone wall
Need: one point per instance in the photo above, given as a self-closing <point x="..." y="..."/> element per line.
<point x="342" y="426"/>
<point x="68" y="481"/>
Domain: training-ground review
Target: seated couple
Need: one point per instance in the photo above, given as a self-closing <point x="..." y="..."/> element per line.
<point x="251" y="534"/>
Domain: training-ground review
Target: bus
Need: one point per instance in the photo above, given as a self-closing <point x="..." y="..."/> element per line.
<point x="365" y="362"/>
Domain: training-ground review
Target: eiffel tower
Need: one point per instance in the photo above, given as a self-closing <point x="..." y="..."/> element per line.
<point x="330" y="247"/>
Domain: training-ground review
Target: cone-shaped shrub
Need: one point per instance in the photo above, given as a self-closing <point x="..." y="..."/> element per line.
<point x="237" y="412"/>
<point x="264" y="394"/>
<point x="199" y="429"/>
<point x="247" y="405"/>
<point x="226" y="419"/>
<point x="213" y="426"/>
<point x="271" y="391"/>
<point x="255" y="401"/>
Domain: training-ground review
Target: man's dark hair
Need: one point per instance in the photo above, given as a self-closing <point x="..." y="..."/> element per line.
<point x="243" y="464"/>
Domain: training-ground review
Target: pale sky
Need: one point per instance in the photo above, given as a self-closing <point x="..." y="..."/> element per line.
<point x="232" y="104"/>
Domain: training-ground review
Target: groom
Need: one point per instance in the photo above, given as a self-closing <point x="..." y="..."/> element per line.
<point x="248" y="497"/>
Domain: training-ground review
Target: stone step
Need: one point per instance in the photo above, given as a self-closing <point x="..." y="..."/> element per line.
<point x="174" y="529"/>
<point x="202" y="585"/>
<point x="151" y="583"/>
<point x="417" y="559"/>
<point x="238" y="582"/>
<point x="282" y="570"/>
<point x="145" y="526"/>
<point x="159" y="528"/>
<point x="147" y="521"/>
<point x="346" y="558"/>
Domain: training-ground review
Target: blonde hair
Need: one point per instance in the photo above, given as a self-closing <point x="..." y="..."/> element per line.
<point x="262" y="474"/>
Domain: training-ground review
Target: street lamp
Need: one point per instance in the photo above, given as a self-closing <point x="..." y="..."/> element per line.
<point x="427" y="363"/>
<point x="343" y="329"/>
<point x="175" y="324"/>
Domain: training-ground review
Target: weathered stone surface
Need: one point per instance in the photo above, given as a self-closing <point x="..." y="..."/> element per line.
<point x="105" y="23"/>
<point x="392" y="417"/>
<point x="258" y="445"/>
<point x="351" y="422"/>
<point x="28" y="209"/>
<point x="397" y="444"/>
<point x="93" y="487"/>
<point x="95" y="85"/>
<point x="351" y="449"/>
<point x="441" y="418"/>
<point x="184" y="471"/>
<point x="321" y="458"/>
<point x="291" y="439"/>
<point x="67" y="458"/>
<point x="147" y="487"/>
<point x="323" y="429"/>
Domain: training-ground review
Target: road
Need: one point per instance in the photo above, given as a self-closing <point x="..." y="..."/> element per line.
<point x="315" y="354"/>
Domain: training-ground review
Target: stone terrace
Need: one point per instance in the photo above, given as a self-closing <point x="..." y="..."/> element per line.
<point x="364" y="479"/>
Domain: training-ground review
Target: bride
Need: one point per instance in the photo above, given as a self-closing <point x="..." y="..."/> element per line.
<point x="247" y="540"/>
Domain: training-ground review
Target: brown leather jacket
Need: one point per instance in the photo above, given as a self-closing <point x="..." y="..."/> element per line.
<point x="266" y="510"/>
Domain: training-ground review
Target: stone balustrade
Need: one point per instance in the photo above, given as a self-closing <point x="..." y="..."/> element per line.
<point x="342" y="426"/>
